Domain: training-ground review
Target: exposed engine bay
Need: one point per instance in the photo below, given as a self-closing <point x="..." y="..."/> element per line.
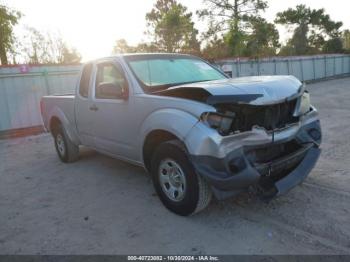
<point x="270" y="117"/>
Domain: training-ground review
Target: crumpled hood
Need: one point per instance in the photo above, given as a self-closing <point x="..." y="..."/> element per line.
<point x="256" y="90"/>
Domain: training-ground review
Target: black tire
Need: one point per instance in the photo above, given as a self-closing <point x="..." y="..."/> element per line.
<point x="67" y="151"/>
<point x="197" y="193"/>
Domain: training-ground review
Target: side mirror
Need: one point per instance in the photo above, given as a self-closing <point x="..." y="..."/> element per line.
<point x="107" y="90"/>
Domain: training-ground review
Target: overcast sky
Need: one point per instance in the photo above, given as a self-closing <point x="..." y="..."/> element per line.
<point x="93" y="26"/>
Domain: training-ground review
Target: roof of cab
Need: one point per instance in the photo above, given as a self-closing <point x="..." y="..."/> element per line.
<point x="141" y="55"/>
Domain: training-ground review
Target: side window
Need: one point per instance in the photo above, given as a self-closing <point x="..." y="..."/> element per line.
<point x="110" y="82"/>
<point x="85" y="80"/>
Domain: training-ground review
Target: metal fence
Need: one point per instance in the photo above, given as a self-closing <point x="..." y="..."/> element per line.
<point x="22" y="87"/>
<point x="307" y="68"/>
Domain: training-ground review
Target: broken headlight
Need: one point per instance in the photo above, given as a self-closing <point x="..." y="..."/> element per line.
<point x="221" y="122"/>
<point x="304" y="105"/>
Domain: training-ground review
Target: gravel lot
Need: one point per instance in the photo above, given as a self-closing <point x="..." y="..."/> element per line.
<point x="99" y="205"/>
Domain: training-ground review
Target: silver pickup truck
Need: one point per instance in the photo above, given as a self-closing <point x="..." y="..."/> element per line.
<point x="196" y="131"/>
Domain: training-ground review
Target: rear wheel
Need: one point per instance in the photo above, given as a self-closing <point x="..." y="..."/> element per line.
<point x="67" y="151"/>
<point x="178" y="186"/>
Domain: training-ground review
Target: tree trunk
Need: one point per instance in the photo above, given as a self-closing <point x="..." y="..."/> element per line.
<point x="3" y="56"/>
<point x="236" y="17"/>
<point x="236" y="29"/>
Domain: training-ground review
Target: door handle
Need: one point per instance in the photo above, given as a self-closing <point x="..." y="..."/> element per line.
<point x="93" y="108"/>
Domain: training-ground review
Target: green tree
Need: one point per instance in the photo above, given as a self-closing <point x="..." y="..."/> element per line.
<point x="313" y="28"/>
<point x="263" y="38"/>
<point x="229" y="19"/>
<point x="146" y="48"/>
<point x="334" y="45"/>
<point x="69" y="55"/>
<point x="121" y="47"/>
<point x="39" y="48"/>
<point x="171" y="26"/>
<point x="217" y="48"/>
<point x="8" y="19"/>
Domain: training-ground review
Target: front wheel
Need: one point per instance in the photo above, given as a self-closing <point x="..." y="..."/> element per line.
<point x="178" y="186"/>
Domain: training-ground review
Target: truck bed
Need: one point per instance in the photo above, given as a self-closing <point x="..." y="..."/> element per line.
<point x="61" y="104"/>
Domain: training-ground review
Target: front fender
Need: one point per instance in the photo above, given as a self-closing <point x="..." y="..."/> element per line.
<point x="68" y="126"/>
<point x="175" y="121"/>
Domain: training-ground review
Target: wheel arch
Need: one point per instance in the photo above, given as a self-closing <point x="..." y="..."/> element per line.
<point x="161" y="126"/>
<point x="54" y="124"/>
<point x="152" y="141"/>
<point x="56" y="117"/>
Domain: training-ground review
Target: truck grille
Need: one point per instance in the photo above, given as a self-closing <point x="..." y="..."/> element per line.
<point x="270" y="116"/>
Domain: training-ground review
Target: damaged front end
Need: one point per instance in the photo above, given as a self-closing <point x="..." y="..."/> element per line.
<point x="233" y="118"/>
<point x="269" y="147"/>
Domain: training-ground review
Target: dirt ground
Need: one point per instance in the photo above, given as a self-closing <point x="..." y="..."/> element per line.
<point x="100" y="205"/>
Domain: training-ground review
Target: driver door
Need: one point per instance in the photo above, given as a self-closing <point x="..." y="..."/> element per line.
<point x="112" y="109"/>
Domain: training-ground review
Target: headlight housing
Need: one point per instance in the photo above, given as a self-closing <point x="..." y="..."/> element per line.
<point x="220" y="122"/>
<point x="304" y="105"/>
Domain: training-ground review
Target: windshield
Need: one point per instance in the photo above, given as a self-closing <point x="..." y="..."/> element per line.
<point x="163" y="72"/>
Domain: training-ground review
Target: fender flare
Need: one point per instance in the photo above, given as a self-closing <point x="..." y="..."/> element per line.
<point x="67" y="125"/>
<point x="175" y="121"/>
